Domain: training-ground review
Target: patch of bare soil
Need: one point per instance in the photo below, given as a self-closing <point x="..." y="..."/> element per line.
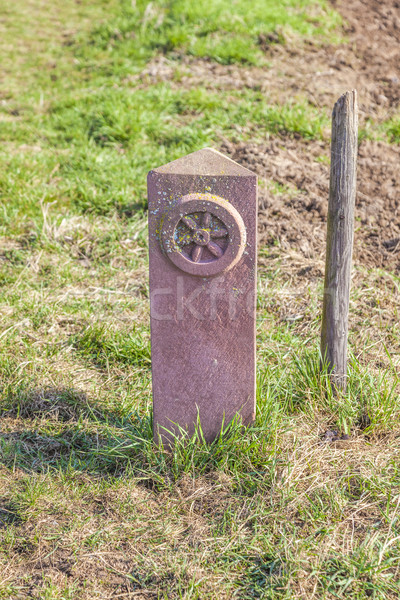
<point x="370" y="62"/>
<point x="298" y="220"/>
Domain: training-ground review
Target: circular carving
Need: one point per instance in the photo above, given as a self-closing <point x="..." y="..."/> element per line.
<point x="203" y="235"/>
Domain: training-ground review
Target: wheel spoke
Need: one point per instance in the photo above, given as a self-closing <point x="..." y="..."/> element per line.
<point x="206" y="219"/>
<point x="219" y="233"/>
<point x="215" y="249"/>
<point x="196" y="253"/>
<point x="189" y="222"/>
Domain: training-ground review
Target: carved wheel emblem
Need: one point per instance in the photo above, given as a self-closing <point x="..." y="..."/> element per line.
<point x="203" y="235"/>
<point x="198" y="240"/>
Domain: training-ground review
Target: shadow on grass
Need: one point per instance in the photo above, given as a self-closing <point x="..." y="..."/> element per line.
<point x="46" y="428"/>
<point x="9" y="514"/>
<point x="58" y="429"/>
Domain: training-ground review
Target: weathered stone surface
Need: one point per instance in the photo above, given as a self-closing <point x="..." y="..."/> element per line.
<point x="202" y="250"/>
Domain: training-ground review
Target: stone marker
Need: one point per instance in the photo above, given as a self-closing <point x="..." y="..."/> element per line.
<point x="203" y="250"/>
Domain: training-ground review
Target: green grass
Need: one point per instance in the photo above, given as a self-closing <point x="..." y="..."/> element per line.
<point x="254" y="512"/>
<point x="103" y="348"/>
<point x="89" y="506"/>
<point x="79" y="129"/>
<point x="226" y="33"/>
<point x="253" y="509"/>
<point x="387" y="130"/>
<point x="392" y="129"/>
<point x="101" y="147"/>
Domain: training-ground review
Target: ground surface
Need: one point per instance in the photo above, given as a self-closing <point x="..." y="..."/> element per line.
<point x="368" y="62"/>
<point x="305" y="504"/>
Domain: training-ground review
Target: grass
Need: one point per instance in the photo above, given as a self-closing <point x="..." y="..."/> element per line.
<point x="89" y="507"/>
<point x="386" y="129"/>
<point x="264" y="512"/>
<point x="392" y="129"/>
<point x="212" y="29"/>
<point x="79" y="129"/>
<point x="91" y="143"/>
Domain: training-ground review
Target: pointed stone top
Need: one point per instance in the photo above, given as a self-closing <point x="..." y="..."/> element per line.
<point x="205" y="162"/>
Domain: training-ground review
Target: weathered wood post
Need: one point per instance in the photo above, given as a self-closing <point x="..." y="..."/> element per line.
<point x="340" y="237"/>
<point x="202" y="250"/>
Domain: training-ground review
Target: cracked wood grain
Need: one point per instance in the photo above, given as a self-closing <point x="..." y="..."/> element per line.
<point x="340" y="237"/>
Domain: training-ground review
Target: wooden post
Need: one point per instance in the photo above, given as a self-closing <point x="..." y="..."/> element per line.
<point x="340" y="236"/>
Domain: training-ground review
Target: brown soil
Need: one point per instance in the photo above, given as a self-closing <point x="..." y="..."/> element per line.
<point x="370" y="62"/>
<point x="299" y="221"/>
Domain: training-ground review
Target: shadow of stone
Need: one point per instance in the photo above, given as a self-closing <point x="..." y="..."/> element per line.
<point x="55" y="436"/>
<point x="132" y="209"/>
<point x="60" y="404"/>
<point x="8" y="514"/>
